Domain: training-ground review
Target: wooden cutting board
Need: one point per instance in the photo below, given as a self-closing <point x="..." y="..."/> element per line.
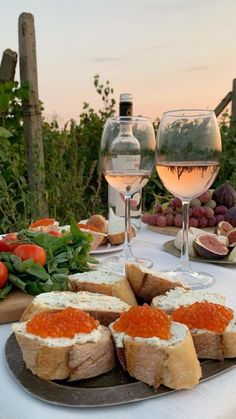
<point x="172" y="231"/>
<point x="13" y="306"/>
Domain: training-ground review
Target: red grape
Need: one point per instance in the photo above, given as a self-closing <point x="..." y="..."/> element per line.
<point x="145" y="218"/>
<point x="161" y="221"/>
<point x="219" y="218"/>
<point x="206" y="196"/>
<point x="178" y="220"/>
<point x="202" y="222"/>
<point x="208" y="212"/>
<point x="153" y="219"/>
<point x="157" y="209"/>
<point x="198" y="212"/>
<point x="193" y="222"/>
<point x="176" y="203"/>
<point x="220" y="209"/>
<point x="170" y="219"/>
<point x="211" y="221"/>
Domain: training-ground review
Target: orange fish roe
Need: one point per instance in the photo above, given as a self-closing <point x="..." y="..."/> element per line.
<point x="44" y="222"/>
<point x="61" y="324"/>
<point x="144" y="321"/>
<point x="88" y="227"/>
<point x="204" y="315"/>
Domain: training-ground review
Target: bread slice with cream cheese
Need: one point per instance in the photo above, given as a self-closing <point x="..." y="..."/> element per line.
<point x="104" y="308"/>
<point x="105" y="282"/>
<point x="83" y="356"/>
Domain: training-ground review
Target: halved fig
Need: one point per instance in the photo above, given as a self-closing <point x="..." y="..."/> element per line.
<point x="232" y="237"/>
<point x="223" y="228"/>
<point x="210" y="247"/>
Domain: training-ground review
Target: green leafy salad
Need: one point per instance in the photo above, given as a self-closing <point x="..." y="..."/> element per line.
<point x="64" y="254"/>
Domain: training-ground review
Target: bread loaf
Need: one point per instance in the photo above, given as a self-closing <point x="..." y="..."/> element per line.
<point x="147" y="283"/>
<point x="104" y="308"/>
<point x="104" y="282"/>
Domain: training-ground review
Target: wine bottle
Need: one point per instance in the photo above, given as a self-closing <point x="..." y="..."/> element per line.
<point x="116" y="202"/>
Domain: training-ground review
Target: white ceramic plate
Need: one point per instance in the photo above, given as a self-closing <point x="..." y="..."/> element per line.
<point x="107" y="248"/>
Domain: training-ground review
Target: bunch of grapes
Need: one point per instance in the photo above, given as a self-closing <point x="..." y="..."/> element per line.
<point x="203" y="212"/>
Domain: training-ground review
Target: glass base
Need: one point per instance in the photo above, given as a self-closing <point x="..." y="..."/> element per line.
<point x="195" y="280"/>
<point x="117" y="263"/>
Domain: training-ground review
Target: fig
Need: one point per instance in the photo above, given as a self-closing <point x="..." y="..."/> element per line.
<point x="230" y="216"/>
<point x="231" y="236"/>
<point x="223" y="228"/>
<point x="210" y="247"/>
<point x="225" y="195"/>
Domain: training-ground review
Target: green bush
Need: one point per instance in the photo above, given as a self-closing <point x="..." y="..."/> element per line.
<point x="75" y="187"/>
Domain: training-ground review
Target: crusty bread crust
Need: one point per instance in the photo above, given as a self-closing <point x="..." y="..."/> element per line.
<point x="119" y="238"/>
<point x="210" y="345"/>
<point x="147" y="284"/>
<point x="120" y="289"/>
<point x="99" y="222"/>
<point x="73" y="362"/>
<point x="174" y="366"/>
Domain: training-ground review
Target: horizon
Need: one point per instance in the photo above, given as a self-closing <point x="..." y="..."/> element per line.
<point x="169" y="54"/>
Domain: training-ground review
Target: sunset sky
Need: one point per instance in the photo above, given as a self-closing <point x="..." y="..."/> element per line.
<point x="169" y="53"/>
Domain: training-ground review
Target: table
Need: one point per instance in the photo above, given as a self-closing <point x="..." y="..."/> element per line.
<point x="213" y="399"/>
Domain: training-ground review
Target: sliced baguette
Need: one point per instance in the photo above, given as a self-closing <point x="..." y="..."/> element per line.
<point x="208" y="344"/>
<point x="103" y="282"/>
<point x="104" y="308"/>
<point x="177" y="297"/>
<point x="116" y="229"/>
<point x="155" y="361"/>
<point x="147" y="283"/>
<point x="63" y="358"/>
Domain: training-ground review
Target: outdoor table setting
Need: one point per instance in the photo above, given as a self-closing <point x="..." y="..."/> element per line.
<point x="215" y="396"/>
<point x="111" y="344"/>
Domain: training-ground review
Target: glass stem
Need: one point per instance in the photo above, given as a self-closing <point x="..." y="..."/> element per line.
<point x="127" y="252"/>
<point x="185" y="265"/>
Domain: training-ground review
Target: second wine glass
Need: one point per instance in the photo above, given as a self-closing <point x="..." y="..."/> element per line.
<point x="127" y="156"/>
<point x="188" y="161"/>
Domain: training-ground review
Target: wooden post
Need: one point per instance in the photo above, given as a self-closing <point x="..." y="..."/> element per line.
<point x="8" y="66"/>
<point x="233" y="114"/>
<point x="32" y="115"/>
<point x="222" y="105"/>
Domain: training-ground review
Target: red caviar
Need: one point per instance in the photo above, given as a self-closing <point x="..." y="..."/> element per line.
<point x="43" y="222"/>
<point x="61" y="324"/>
<point x="88" y="227"/>
<point x="204" y="315"/>
<point x="144" y="321"/>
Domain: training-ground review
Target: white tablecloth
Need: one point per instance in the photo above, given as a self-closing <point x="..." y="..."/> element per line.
<point x="213" y="399"/>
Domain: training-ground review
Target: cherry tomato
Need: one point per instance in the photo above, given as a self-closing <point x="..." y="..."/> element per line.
<point x="55" y="233"/>
<point x="3" y="274"/>
<point x="43" y="222"/>
<point x="4" y="246"/>
<point x="28" y="251"/>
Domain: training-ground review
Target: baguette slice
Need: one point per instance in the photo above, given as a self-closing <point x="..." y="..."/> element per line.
<point x="177" y="297"/>
<point x="84" y="356"/>
<point x="209" y="345"/>
<point x="157" y="361"/>
<point x="116" y="229"/>
<point x="103" y="282"/>
<point x="147" y="283"/>
<point x="104" y="308"/>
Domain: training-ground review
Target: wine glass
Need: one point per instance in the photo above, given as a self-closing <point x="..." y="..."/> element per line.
<point x="188" y="161"/>
<point x="127" y="156"/>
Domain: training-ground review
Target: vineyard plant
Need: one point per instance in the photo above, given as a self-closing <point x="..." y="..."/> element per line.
<point x="75" y="187"/>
